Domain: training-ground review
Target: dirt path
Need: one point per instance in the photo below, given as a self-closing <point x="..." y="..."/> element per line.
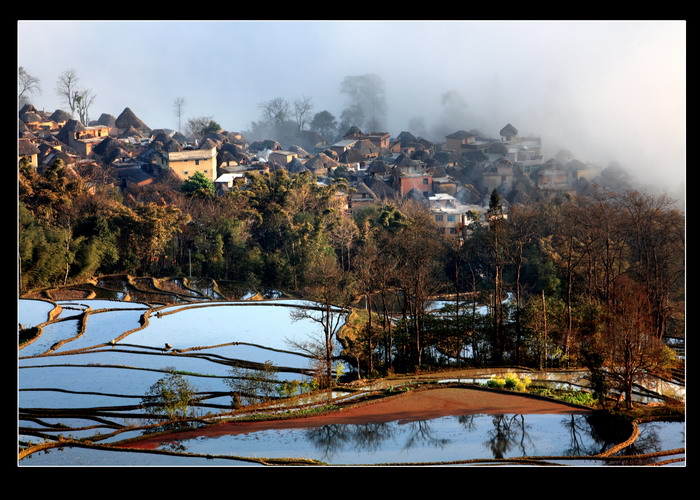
<point x="417" y="405"/>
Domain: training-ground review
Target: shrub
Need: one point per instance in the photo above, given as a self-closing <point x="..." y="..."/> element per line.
<point x="171" y="396"/>
<point x="510" y="381"/>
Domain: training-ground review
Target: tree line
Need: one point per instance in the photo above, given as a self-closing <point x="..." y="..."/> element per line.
<point x="569" y="282"/>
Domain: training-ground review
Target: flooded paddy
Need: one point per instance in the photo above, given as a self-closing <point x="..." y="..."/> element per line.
<point x="83" y="376"/>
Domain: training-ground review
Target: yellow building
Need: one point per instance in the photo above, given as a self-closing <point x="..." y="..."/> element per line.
<point x="185" y="163"/>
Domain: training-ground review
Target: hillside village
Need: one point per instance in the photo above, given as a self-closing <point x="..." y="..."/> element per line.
<point x="453" y="179"/>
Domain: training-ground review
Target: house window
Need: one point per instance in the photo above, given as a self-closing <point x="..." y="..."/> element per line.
<point x="450" y="218"/>
<point x="438" y="218"/>
<point x="425" y="181"/>
<point x="196" y="162"/>
<point x="186" y="172"/>
<point x="453" y="230"/>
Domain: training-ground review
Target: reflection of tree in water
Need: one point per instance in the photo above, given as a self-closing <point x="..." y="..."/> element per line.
<point x="420" y="432"/>
<point x="648" y="441"/>
<point x="467" y="421"/>
<point x="328" y="439"/>
<point x="607" y="430"/>
<point x="509" y="431"/>
<point x="370" y="437"/>
<point x="579" y="435"/>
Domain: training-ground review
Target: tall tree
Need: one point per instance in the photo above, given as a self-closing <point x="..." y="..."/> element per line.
<point x="275" y="111"/>
<point x="77" y="99"/>
<point x="522" y="230"/>
<point x="496" y="217"/>
<point x="420" y="250"/>
<point x="657" y="240"/>
<point x="325" y="124"/>
<point x="302" y="108"/>
<point x="328" y="292"/>
<point x="84" y="100"/>
<point x="27" y="86"/>
<point x="367" y="105"/>
<point x="634" y="351"/>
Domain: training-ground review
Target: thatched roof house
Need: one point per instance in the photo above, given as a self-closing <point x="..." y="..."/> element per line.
<point x="127" y="119"/>
<point x="321" y="164"/>
<point x="296" y="166"/>
<point x="107" y="120"/>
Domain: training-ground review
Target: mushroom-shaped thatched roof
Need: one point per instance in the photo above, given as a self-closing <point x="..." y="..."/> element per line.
<point x="353" y="132"/>
<point x="363" y="189"/>
<point x="60" y="116"/>
<point x="68" y="130"/>
<point x="330" y="154"/>
<point x="234" y="152"/>
<point x="216" y="136"/>
<point x="162" y="136"/>
<point x="416" y="195"/>
<point x="170" y="146"/>
<point x="25" y="148"/>
<point x="404" y="160"/>
<point x="130" y="132"/>
<point x="421" y="155"/>
<point x="258" y="146"/>
<point x="127" y="119"/>
<point x="446" y="157"/>
<point x="31" y="117"/>
<point x="30" y="114"/>
<point x="468" y="195"/>
<point x="378" y="167"/>
<point x="106" y="146"/>
<point x="296" y="166"/>
<point x="366" y="148"/>
<point x="405" y="138"/>
<point x="321" y="161"/>
<point x="380" y="188"/>
<point x="180" y="137"/>
<point x="301" y="152"/>
<point x="438" y="171"/>
<point x="351" y="155"/>
<point x="208" y="144"/>
<point x="107" y="120"/>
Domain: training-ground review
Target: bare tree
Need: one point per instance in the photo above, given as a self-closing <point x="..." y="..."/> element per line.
<point x="67" y="88"/>
<point x="275" y="110"/>
<point x="329" y="293"/>
<point x="179" y="104"/>
<point x="83" y="100"/>
<point x="27" y="85"/>
<point x="302" y="108"/>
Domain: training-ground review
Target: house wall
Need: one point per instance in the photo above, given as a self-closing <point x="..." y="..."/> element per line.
<point x="185" y="163"/>
<point x="451" y="222"/>
<point x="455" y="144"/>
<point x="422" y="183"/>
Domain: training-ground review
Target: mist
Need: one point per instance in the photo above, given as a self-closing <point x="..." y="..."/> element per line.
<point x="604" y="90"/>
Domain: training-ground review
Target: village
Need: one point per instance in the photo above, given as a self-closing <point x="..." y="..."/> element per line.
<point x="452" y="179"/>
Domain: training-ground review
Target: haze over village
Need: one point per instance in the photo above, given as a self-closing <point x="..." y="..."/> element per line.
<point x="278" y="242"/>
<point x="602" y="93"/>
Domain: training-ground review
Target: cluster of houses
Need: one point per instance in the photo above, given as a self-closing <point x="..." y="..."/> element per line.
<point x="453" y="179"/>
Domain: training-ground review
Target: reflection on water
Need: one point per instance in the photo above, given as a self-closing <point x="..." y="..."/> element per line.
<point x="438" y="440"/>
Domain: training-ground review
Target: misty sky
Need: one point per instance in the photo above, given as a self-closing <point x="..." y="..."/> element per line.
<point x="603" y="90"/>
